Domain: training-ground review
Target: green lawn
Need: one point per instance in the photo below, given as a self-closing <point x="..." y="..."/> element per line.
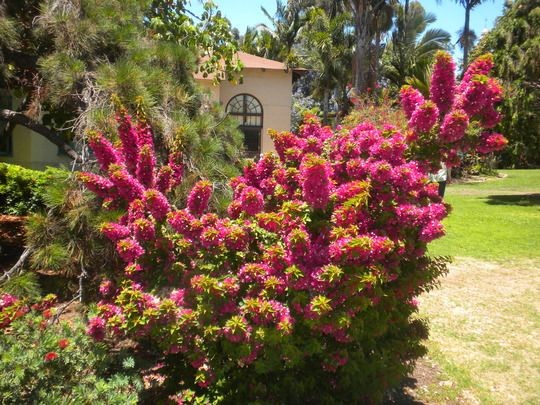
<point x="485" y="317"/>
<point x="498" y="219"/>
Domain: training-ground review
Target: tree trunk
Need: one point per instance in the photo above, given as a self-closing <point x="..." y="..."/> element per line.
<point x="326" y="102"/>
<point x="21" y="119"/>
<point x="375" y="62"/>
<point x="466" y="36"/>
<point x="362" y="60"/>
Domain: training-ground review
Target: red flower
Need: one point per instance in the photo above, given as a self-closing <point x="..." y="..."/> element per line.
<point x="50" y="356"/>
<point x="63" y="343"/>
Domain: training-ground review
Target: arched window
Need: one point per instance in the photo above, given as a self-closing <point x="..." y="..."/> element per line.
<point x="248" y="111"/>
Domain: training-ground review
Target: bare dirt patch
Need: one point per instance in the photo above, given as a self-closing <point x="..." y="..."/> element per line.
<point x="485" y="337"/>
<point x="485" y="322"/>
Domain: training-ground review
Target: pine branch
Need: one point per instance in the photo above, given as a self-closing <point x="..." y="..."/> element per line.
<point x="16" y="266"/>
<point x="21" y="119"/>
<point x="78" y="296"/>
<point x="61" y="310"/>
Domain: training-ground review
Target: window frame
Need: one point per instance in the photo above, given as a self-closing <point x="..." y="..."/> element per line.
<point x="244" y="113"/>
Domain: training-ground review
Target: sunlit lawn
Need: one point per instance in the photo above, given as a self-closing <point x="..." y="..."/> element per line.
<point x="485" y="322"/>
<point x="498" y="219"/>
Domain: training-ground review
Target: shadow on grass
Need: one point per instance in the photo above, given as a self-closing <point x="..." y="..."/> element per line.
<point x="400" y="396"/>
<point x="525" y="200"/>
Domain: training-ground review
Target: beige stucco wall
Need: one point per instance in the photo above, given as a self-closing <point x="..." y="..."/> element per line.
<point x="273" y="88"/>
<point x="212" y="89"/>
<point x="33" y="150"/>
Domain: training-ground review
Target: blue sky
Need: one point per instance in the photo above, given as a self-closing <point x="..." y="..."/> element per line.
<point x="450" y="16"/>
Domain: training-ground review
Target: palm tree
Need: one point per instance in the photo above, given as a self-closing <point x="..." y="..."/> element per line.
<point x="410" y="51"/>
<point x="282" y="35"/>
<point x="371" y="20"/>
<point x="466" y="41"/>
<point x="465" y="38"/>
<point x="327" y="45"/>
<point x="260" y="43"/>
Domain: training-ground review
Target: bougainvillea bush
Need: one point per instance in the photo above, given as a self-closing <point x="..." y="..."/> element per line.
<point x="305" y="292"/>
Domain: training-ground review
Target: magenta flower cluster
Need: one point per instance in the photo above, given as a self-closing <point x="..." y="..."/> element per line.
<point x="438" y="126"/>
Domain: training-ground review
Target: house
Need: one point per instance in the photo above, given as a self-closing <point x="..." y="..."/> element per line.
<point x="262" y="101"/>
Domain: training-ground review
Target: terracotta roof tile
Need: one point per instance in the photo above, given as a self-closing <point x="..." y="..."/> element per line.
<point x="250" y="62"/>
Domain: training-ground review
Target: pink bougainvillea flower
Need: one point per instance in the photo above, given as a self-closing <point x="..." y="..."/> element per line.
<point x="410" y="99"/>
<point x="107" y="288"/>
<point x="315" y="180"/>
<point x="251" y="200"/>
<point x="106" y="154"/>
<point x="114" y="231"/>
<point x="156" y="203"/>
<point x="129" y="138"/>
<point x="443" y="82"/>
<point x="99" y="185"/>
<point x="128" y="186"/>
<point x="424" y="117"/>
<point x="129" y="249"/>
<point x="96" y="328"/>
<point x="454" y="126"/>
<point x="146" y="162"/>
<point x="491" y="142"/>
<point x="199" y="197"/>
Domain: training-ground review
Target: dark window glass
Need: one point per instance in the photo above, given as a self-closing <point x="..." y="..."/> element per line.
<point x="247" y="110"/>
<point x="252" y="139"/>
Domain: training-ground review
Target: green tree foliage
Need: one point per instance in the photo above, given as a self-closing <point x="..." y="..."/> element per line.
<point x="21" y="189"/>
<point x="210" y="34"/>
<point x="515" y="44"/>
<point x="370" y="21"/>
<point x="327" y="45"/>
<point x="371" y="18"/>
<point x="65" y="238"/>
<point x="409" y="53"/>
<point x="277" y="41"/>
<point x="261" y="43"/>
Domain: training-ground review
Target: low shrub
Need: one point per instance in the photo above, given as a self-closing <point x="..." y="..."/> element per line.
<point x="50" y="363"/>
<point x="379" y="110"/>
<point x="21" y="189"/>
